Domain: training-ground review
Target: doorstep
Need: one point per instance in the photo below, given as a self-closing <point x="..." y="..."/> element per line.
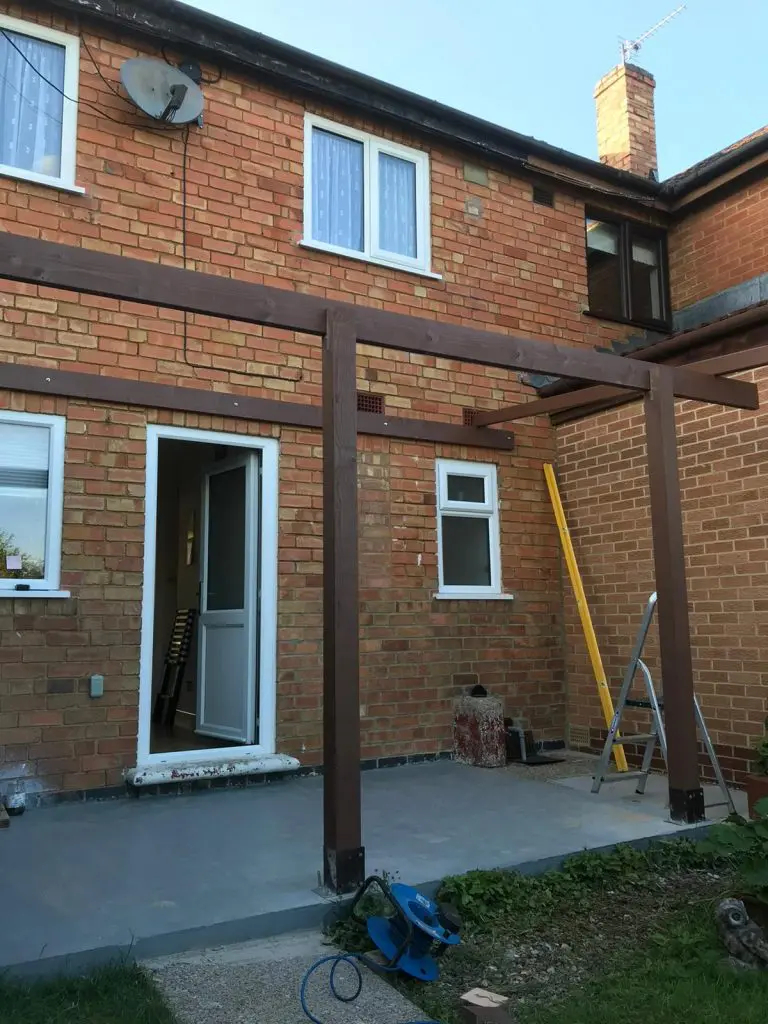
<point x="170" y="772"/>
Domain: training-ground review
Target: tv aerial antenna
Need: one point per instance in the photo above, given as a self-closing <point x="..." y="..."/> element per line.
<point x="629" y="47"/>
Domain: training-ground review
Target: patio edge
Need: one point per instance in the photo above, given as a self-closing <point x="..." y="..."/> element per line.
<point x="313" y="914"/>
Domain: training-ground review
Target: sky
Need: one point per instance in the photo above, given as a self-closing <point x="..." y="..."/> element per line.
<point x="531" y="65"/>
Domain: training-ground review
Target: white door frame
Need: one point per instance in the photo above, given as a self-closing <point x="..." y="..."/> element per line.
<point x="269" y="451"/>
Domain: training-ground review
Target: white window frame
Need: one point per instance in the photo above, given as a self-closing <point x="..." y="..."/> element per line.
<point x="57" y="426"/>
<point x="71" y="44"/>
<point x="371" y="251"/>
<point x="488" y="509"/>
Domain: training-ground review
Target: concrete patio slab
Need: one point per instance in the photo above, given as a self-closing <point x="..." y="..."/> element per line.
<point x="655" y="799"/>
<point x="83" y="883"/>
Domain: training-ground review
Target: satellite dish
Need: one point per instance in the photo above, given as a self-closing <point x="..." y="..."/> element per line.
<point x="161" y="90"/>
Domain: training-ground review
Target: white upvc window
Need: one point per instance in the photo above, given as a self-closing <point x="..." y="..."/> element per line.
<point x="31" y="500"/>
<point x="469" y="557"/>
<point x="365" y="197"/>
<point x="39" y="72"/>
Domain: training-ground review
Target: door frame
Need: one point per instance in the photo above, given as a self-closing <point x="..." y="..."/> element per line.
<point x="269" y="450"/>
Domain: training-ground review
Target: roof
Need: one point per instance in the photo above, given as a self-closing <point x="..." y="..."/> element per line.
<point x="705" y="170"/>
<point x="224" y="42"/>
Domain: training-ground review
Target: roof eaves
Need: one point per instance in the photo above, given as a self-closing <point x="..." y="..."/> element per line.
<point x="221" y="40"/>
<point x="710" y="168"/>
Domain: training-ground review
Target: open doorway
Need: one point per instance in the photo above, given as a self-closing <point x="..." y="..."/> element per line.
<point x="208" y="668"/>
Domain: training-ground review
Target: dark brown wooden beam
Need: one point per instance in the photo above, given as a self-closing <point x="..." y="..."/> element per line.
<point x="704" y="387"/>
<point x="735" y="362"/>
<point x="739" y="330"/>
<point x="686" y="797"/>
<point x="568" y="401"/>
<point x="73" y="268"/>
<point x="405" y="429"/>
<point x="343" y="852"/>
<point x="96" y="388"/>
<point x="553" y="403"/>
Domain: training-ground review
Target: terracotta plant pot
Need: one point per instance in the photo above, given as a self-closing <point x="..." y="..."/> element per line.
<point x="757" y="788"/>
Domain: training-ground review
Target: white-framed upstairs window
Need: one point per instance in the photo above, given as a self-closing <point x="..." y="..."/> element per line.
<point x="365" y="197"/>
<point x="469" y="555"/>
<point x="31" y="501"/>
<point x="39" y="72"/>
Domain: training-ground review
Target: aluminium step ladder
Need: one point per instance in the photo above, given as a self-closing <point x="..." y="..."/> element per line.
<point x="654" y="703"/>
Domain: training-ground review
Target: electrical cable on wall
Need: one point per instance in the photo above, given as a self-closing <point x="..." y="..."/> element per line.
<point x="110" y="85"/>
<point x="79" y="102"/>
<point x="185" y="160"/>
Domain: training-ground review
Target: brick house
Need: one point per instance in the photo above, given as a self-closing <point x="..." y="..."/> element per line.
<point x="116" y="514"/>
<point x="718" y="273"/>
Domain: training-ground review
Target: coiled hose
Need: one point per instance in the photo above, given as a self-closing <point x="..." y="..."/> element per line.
<point x="351" y="959"/>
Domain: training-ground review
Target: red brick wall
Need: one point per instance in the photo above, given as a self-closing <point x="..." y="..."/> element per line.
<point x="723" y="467"/>
<point x="723" y="463"/>
<point x="719" y="246"/>
<point x="518" y="267"/>
<point x="417" y="653"/>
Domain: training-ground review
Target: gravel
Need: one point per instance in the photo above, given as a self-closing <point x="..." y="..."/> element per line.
<point x="258" y="983"/>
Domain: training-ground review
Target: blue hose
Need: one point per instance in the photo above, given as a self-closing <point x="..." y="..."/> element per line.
<point x="347" y="958"/>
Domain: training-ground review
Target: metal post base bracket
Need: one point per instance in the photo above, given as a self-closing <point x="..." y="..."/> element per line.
<point x="343" y="870"/>
<point x="686" y="806"/>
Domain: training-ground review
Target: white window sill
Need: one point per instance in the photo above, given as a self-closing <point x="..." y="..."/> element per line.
<point x="39" y="179"/>
<point x="22" y="595"/>
<point x="472" y="597"/>
<point x="362" y="257"/>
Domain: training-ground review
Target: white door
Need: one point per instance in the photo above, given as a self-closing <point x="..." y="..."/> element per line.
<point x="227" y="666"/>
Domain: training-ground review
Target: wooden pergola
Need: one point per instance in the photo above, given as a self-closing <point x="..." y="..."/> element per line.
<point x="342" y="326"/>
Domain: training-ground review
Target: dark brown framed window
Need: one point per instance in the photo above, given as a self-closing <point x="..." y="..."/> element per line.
<point x="626" y="271"/>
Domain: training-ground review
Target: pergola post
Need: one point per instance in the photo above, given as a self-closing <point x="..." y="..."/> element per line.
<point x="686" y="797"/>
<point x="343" y="852"/>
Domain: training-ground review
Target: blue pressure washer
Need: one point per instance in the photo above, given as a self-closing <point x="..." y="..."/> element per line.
<point x="406" y="939"/>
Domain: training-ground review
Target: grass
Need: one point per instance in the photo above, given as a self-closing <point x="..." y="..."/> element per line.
<point x="122" y="994"/>
<point x="626" y="937"/>
<point x="680" y="975"/>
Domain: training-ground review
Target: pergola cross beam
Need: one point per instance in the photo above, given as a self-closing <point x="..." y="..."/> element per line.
<point x="34" y="261"/>
<point x="729" y="362"/>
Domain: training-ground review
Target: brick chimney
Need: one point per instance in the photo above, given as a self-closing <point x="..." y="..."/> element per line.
<point x="626" y="128"/>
